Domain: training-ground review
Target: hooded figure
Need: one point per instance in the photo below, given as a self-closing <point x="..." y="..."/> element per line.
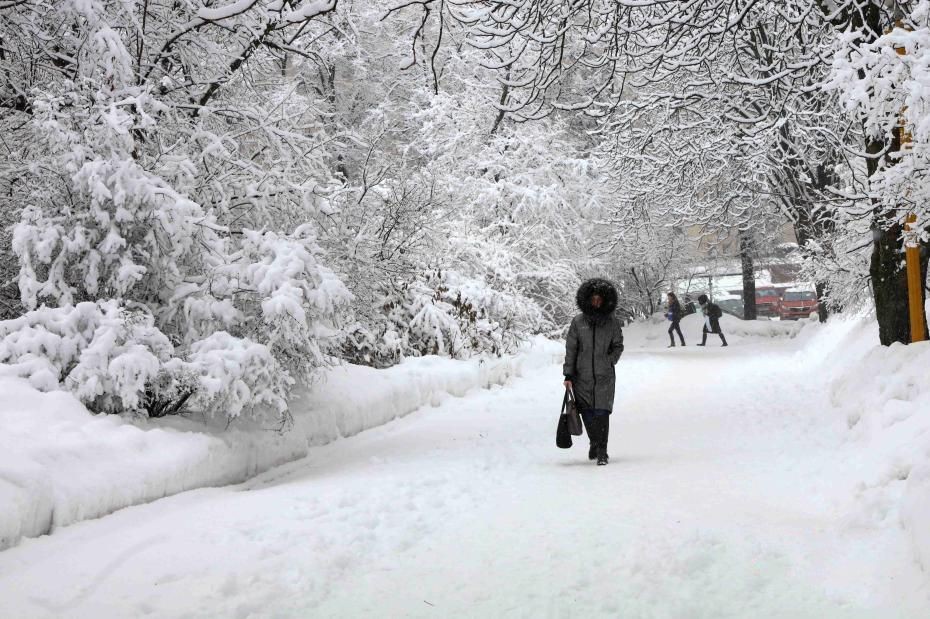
<point x="712" y="316"/>
<point x="592" y="348"/>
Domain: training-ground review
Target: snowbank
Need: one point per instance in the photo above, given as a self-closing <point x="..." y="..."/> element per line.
<point x="59" y="464"/>
<point x="883" y="396"/>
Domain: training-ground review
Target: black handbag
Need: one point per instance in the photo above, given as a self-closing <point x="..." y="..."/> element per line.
<point x="570" y="408"/>
<point x="569" y="422"/>
<point x="563" y="437"/>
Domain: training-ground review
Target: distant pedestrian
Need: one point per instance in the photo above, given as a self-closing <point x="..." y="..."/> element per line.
<point x="674" y="315"/>
<point x="712" y="314"/>
<point x="592" y="348"/>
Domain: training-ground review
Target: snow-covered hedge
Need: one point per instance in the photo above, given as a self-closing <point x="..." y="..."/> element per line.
<point x="59" y="464"/>
<point x="116" y="360"/>
<point x="444" y="313"/>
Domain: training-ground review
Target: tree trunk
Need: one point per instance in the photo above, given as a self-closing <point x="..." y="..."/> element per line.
<point x="888" y="269"/>
<point x="888" y="275"/>
<point x="889" y="287"/>
<point x="749" y="276"/>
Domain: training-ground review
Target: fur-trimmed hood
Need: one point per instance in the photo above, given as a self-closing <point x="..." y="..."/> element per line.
<point x="597" y="286"/>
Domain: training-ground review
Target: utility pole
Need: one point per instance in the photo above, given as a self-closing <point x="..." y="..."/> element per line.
<point x="911" y="245"/>
<point x="914" y="279"/>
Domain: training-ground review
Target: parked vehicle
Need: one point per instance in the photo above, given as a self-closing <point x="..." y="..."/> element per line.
<point x="797" y="304"/>
<point x="767" y="302"/>
<point x="734" y="307"/>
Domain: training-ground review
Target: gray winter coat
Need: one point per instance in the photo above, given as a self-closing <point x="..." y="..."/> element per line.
<point x="593" y="347"/>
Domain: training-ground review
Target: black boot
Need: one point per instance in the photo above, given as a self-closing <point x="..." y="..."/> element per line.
<point x="703" y="340"/>
<point x="724" y="340"/>
<point x="603" y="428"/>
<point x="592" y="452"/>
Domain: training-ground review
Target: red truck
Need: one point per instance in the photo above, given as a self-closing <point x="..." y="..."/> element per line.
<point x="767" y="302"/>
<point x="797" y="304"/>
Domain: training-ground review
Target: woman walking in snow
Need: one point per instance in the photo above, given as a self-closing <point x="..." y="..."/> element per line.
<point x="592" y="348"/>
<point x="712" y="314"/>
<point x="674" y="314"/>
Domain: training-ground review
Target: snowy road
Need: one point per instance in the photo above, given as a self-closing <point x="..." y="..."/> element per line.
<point x="727" y="496"/>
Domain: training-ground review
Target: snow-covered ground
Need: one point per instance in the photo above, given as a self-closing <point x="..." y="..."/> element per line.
<point x="59" y="464"/>
<point x="736" y="489"/>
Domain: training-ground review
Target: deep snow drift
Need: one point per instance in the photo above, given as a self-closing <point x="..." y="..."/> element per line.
<point x="740" y="485"/>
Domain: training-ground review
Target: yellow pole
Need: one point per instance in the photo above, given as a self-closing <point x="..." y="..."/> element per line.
<point x="915" y="282"/>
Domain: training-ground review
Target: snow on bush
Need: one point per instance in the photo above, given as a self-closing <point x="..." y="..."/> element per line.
<point x="115" y="360"/>
<point x="446" y="313"/>
<point x="164" y="269"/>
<point x="250" y="313"/>
<point x="107" y="356"/>
<point x="235" y="374"/>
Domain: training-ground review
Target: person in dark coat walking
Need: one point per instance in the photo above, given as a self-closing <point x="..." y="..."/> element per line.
<point x="592" y="348"/>
<point x="712" y="314"/>
<point x="674" y="315"/>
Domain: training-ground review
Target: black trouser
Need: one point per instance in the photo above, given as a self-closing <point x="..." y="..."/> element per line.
<point x="597" y="425"/>
<point x="676" y="328"/>
<point x="714" y="328"/>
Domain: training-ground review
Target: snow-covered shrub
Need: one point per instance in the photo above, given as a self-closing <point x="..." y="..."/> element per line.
<point x="108" y="356"/>
<point x="115" y="360"/>
<point x="171" y="251"/>
<point x="379" y="348"/>
<point x="235" y="375"/>
<point x="446" y="313"/>
<point x="273" y="289"/>
<point x="843" y="262"/>
<point x="434" y="324"/>
<point x="125" y="232"/>
<point x="101" y="225"/>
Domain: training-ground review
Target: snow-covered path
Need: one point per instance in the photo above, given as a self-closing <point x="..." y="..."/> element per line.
<point x="727" y="495"/>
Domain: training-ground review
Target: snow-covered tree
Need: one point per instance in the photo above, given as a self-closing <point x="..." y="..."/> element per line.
<point x="880" y="73"/>
<point x="164" y="178"/>
<point x="220" y="197"/>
